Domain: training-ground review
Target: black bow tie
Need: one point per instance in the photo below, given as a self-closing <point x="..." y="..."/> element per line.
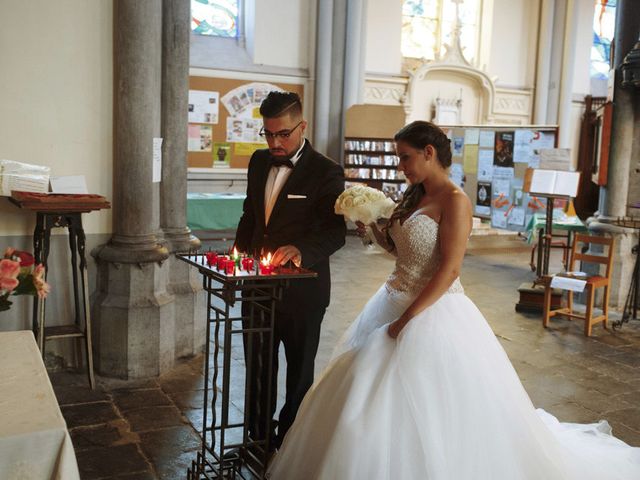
<point x="277" y="162"/>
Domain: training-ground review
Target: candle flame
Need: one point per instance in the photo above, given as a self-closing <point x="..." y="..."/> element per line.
<point x="266" y="260"/>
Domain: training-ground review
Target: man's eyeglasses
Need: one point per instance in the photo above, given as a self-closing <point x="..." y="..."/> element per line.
<point x="282" y="134"/>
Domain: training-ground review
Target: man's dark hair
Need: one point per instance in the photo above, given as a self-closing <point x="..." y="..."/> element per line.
<point x="278" y="104"/>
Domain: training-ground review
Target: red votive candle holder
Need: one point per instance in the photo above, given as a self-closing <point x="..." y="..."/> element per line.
<point x="266" y="269"/>
<point x="212" y="258"/>
<point x="221" y="262"/>
<point x="247" y="264"/>
<point x="230" y="266"/>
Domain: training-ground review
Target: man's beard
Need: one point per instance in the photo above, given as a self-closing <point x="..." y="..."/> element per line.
<point x="288" y="156"/>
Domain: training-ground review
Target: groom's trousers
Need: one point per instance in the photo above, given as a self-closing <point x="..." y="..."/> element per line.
<point x="300" y="334"/>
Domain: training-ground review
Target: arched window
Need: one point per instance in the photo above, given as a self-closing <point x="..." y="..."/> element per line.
<point x="427" y="27"/>
<point x="215" y="17"/>
<point x="604" y="23"/>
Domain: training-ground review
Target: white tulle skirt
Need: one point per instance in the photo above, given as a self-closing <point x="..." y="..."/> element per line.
<point x="441" y="402"/>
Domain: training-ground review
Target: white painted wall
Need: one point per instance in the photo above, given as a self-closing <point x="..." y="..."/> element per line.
<point x="513" y="42"/>
<point x="281" y="32"/>
<point x="56" y="99"/>
<point x="384" y="29"/>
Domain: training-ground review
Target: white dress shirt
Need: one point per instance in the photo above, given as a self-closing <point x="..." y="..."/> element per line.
<point x="275" y="181"/>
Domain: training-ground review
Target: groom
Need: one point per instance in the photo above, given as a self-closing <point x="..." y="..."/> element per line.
<point x="289" y="212"/>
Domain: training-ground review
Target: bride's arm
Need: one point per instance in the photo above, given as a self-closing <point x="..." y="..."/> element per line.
<point x="381" y="238"/>
<point x="379" y="235"/>
<point x="454" y="229"/>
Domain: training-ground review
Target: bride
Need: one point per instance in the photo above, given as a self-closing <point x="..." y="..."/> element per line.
<point x="419" y="388"/>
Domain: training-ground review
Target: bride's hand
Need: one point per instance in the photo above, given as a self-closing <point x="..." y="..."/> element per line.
<point x="396" y="327"/>
<point x="361" y="229"/>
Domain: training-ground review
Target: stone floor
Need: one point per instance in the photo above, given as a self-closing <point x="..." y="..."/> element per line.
<point x="148" y="429"/>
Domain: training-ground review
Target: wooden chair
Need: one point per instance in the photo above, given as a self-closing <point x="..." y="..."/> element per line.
<point x="593" y="282"/>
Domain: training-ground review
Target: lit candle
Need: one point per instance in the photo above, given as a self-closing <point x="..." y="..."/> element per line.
<point x="265" y="265"/>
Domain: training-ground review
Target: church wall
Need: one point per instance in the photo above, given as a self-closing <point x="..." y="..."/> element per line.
<point x="56" y="92"/>
<point x="56" y="97"/>
<point x="513" y="43"/>
<point x="281" y="32"/>
<point x="508" y="53"/>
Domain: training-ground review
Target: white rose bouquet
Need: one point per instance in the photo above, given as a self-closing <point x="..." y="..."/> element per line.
<point x="364" y="204"/>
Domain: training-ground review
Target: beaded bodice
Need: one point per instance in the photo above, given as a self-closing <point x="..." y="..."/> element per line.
<point x="418" y="256"/>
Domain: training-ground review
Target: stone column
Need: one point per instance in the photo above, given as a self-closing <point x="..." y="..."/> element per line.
<point x="615" y="196"/>
<point x="132" y="310"/>
<point x="617" y="189"/>
<point x="339" y="70"/>
<point x="566" y="78"/>
<point x="555" y="61"/>
<point x="183" y="282"/>
<point x="324" y="33"/>
<point x="336" y="103"/>
<point x="355" y="45"/>
<point x="543" y="67"/>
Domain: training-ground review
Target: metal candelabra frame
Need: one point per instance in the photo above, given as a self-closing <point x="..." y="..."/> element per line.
<point x="218" y="458"/>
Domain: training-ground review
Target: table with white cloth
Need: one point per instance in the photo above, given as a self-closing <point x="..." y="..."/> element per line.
<point x="34" y="441"/>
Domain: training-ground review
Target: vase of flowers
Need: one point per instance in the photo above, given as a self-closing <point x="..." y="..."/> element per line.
<point x="19" y="275"/>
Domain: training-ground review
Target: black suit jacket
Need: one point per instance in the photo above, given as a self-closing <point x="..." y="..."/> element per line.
<point x="309" y="223"/>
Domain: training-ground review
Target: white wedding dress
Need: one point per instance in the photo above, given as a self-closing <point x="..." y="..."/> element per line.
<point x="442" y="402"/>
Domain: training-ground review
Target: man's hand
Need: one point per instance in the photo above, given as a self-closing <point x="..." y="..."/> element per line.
<point x="286" y="253"/>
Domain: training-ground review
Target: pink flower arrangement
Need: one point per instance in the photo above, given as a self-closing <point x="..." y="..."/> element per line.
<point x="20" y="276"/>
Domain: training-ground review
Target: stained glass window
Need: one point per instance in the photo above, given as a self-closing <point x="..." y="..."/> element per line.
<point x="604" y="22"/>
<point x="427" y="27"/>
<point x="215" y="17"/>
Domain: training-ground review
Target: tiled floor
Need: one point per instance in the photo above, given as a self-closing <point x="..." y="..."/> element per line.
<point x="149" y="429"/>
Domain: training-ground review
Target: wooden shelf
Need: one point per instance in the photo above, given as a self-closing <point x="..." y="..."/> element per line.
<point x="383" y="167"/>
<point x="381" y="180"/>
<point x="350" y="153"/>
<point x="376" y="153"/>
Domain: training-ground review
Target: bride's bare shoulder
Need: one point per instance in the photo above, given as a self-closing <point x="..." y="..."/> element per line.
<point x="456" y="199"/>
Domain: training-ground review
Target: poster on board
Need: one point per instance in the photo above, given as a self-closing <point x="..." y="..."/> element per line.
<point x="199" y="138"/>
<point x="242" y="101"/>
<point x="203" y="106"/>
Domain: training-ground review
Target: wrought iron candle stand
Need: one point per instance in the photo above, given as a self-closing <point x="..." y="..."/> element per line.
<point x="633" y="297"/>
<point x="259" y="291"/>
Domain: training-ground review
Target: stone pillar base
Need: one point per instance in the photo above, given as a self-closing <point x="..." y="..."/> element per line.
<point x="181" y="240"/>
<point x="185" y="285"/>
<point x="134" y="320"/>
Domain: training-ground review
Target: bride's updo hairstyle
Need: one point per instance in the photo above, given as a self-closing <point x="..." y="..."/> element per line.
<point x="418" y="135"/>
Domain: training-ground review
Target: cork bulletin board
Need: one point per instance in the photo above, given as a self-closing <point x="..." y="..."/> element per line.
<point x="229" y="136"/>
<point x="488" y="161"/>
